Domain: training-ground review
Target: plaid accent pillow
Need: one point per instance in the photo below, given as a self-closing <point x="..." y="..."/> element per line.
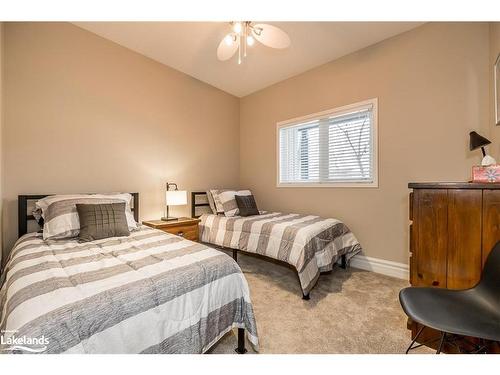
<point x="99" y="221"/>
<point x="246" y="205"/>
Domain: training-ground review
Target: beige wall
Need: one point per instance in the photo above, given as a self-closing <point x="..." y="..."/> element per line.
<point x="432" y="86"/>
<point x="494" y="51"/>
<point x="83" y="114"/>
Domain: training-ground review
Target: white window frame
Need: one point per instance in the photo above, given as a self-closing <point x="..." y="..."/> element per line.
<point x="335" y="112"/>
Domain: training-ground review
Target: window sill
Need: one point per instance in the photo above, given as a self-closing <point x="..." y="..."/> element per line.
<point x="362" y="185"/>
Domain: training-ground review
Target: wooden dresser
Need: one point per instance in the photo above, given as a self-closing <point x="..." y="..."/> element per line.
<point x="453" y="228"/>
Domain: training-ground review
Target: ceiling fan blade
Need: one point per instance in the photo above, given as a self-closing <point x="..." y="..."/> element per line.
<point x="271" y="36"/>
<point x="225" y="51"/>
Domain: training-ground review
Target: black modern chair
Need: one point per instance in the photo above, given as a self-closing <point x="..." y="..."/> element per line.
<point x="471" y="312"/>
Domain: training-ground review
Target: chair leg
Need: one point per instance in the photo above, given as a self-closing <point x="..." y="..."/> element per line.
<point x="441" y="342"/>
<point x="415" y="339"/>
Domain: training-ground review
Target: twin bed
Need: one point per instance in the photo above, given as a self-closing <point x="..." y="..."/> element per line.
<point x="150" y="291"/>
<point x="309" y="244"/>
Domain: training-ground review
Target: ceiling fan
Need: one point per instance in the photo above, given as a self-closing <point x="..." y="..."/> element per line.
<point x="244" y="34"/>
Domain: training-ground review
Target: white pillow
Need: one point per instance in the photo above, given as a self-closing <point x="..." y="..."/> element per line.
<point x="211" y="202"/>
<point x="228" y="201"/>
<point x="218" y="204"/>
<point x="61" y="217"/>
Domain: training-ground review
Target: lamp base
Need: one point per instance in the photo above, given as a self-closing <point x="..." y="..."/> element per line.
<point x="169" y="218"/>
<point x="488" y="160"/>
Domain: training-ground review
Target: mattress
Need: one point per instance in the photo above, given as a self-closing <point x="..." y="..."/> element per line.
<point x="150" y="292"/>
<point x="311" y="244"/>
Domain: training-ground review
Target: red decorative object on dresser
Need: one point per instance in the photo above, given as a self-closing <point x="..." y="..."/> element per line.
<point x="453" y="228"/>
<point x="486" y="174"/>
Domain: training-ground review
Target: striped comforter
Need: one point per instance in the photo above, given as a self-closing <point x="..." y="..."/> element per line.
<point x="310" y="244"/>
<point x="151" y="292"/>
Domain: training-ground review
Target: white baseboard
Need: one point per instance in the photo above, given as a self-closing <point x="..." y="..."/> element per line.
<point x="385" y="267"/>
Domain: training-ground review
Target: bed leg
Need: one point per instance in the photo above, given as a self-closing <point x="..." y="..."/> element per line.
<point x="235" y="255"/>
<point x="305" y="296"/>
<point x="241" y="342"/>
<point x="343" y="262"/>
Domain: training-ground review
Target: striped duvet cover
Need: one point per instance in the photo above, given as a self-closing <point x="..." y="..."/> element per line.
<point x="151" y="292"/>
<point x="310" y="244"/>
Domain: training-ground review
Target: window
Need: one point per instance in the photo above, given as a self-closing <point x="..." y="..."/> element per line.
<point x="332" y="148"/>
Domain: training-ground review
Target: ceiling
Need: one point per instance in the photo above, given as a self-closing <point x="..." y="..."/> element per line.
<point x="191" y="48"/>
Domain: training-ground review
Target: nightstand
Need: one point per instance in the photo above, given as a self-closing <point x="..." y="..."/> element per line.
<point x="184" y="227"/>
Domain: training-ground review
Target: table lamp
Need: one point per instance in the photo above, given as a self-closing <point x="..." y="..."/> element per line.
<point x="478" y="141"/>
<point x="174" y="197"/>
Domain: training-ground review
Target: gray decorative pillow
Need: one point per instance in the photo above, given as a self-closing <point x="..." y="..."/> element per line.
<point x="246" y="205"/>
<point x="98" y="221"/>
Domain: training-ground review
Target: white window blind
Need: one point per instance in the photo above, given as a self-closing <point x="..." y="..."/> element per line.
<point x="334" y="147"/>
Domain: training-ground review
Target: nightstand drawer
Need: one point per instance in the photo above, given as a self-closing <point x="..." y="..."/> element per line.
<point x="184" y="227"/>
<point x="189" y="232"/>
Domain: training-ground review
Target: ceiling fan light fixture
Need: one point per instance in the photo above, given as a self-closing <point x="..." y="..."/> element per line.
<point x="245" y="34"/>
<point x="228" y="39"/>
<point x="257" y="30"/>
<point x="237" y="27"/>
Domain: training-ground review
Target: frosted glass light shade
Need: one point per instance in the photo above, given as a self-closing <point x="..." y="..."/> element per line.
<point x="176" y="197"/>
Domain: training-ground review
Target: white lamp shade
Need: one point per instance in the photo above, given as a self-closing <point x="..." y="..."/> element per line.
<point x="176" y="197"/>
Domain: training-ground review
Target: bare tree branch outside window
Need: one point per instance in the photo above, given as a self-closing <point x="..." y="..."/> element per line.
<point x="358" y="152"/>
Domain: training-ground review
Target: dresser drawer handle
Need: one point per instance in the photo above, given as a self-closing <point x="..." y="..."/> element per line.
<point x="180" y="234"/>
<point x="420" y="276"/>
<point x="435" y="283"/>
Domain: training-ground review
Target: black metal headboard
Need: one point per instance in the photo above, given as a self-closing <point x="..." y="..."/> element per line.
<point x="194" y="202"/>
<point x="24" y="217"/>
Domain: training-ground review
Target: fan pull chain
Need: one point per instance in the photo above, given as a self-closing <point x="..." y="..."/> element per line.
<point x="245" y="38"/>
<point x="239" y="51"/>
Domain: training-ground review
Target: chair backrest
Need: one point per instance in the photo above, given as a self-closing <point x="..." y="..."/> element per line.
<point x="490" y="277"/>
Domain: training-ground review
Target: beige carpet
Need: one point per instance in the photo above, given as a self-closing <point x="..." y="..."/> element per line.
<point x="350" y="311"/>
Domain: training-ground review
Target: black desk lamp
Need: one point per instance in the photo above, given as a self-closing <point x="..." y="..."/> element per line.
<point x="478" y="141"/>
